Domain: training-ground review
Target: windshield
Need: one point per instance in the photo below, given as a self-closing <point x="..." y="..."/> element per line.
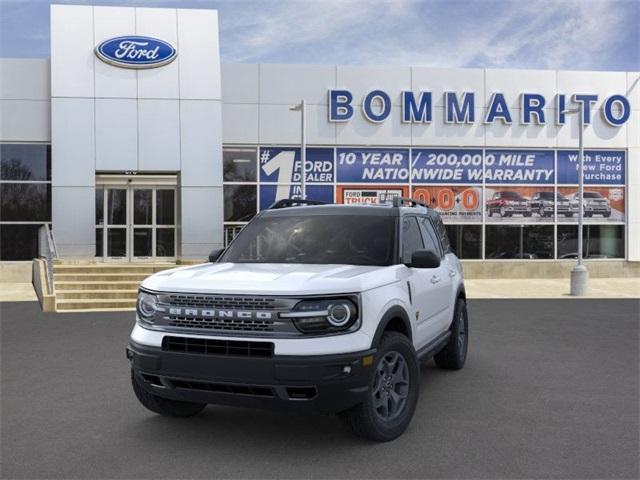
<point x="592" y="195"/>
<point x="324" y="239"/>
<point x="512" y="196"/>
<point x="546" y="195"/>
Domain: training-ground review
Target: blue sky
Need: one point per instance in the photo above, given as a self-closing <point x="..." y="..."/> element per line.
<point x="546" y="34"/>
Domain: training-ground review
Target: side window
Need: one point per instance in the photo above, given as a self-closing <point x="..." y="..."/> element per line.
<point x="411" y="238"/>
<point x="441" y="230"/>
<point x="430" y="238"/>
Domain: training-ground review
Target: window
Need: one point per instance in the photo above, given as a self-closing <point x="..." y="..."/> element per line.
<point x="25" y="202"/>
<point x="239" y="164"/>
<point x="318" y="239"/>
<point x="466" y="240"/>
<point x="18" y="242"/>
<point x="411" y="238"/>
<point x="598" y="241"/>
<point x="25" y="162"/>
<point x="429" y="236"/>
<point x="527" y="242"/>
<point x="239" y="203"/>
<point x="442" y="234"/>
<point x="25" y="198"/>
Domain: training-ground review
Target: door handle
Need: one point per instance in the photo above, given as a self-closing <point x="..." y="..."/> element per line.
<point x="435" y="279"/>
<point x="452" y="272"/>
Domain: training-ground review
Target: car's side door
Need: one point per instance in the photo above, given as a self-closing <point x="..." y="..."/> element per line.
<point x="424" y="289"/>
<point x="442" y="278"/>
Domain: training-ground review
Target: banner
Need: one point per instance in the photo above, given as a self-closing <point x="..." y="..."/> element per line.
<point x="372" y="165"/>
<point x="522" y="204"/>
<point x="272" y="193"/>
<point x="518" y="166"/>
<point x="601" y="205"/>
<point x="600" y="167"/>
<point x="433" y="165"/>
<point x="453" y="203"/>
<point x="359" y="195"/>
<point x="283" y="165"/>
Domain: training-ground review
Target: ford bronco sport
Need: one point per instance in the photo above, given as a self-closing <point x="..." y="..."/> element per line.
<point x="312" y="307"/>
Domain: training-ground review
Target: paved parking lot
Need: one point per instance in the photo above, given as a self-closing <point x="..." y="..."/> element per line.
<point x="550" y="390"/>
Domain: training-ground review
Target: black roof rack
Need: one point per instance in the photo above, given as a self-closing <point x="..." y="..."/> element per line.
<point x="294" y="202"/>
<point x="408" y="202"/>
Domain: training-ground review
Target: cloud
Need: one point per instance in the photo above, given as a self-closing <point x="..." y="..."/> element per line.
<point x="544" y="34"/>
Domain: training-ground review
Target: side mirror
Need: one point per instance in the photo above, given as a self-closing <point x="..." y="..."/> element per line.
<point x="425" y="259"/>
<point x="215" y="254"/>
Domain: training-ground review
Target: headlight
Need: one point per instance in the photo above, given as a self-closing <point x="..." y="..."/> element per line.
<point x="146" y="306"/>
<point x="327" y="315"/>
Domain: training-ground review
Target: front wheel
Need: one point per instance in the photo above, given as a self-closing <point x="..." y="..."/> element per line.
<point x="164" y="406"/>
<point x="392" y="394"/>
<point x="454" y="354"/>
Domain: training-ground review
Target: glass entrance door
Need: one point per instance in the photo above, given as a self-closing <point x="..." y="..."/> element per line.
<point x="136" y="223"/>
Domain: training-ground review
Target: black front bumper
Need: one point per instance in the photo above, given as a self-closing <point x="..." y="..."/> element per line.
<point x="321" y="383"/>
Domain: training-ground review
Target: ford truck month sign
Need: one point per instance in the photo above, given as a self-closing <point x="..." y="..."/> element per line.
<point x="134" y="51"/>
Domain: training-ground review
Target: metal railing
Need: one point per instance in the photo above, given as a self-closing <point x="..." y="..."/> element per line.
<point x="230" y="232"/>
<point x="48" y="250"/>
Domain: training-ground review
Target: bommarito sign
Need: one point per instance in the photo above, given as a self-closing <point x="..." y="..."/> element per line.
<point x="460" y="108"/>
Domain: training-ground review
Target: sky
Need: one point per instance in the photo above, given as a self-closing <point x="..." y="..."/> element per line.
<point x="534" y="34"/>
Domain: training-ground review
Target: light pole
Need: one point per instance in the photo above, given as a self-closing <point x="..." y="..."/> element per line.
<point x="580" y="274"/>
<point x="303" y="146"/>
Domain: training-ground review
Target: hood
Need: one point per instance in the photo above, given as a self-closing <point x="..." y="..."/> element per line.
<point x="273" y="278"/>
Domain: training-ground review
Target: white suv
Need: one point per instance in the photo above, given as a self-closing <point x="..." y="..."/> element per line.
<point x="325" y="308"/>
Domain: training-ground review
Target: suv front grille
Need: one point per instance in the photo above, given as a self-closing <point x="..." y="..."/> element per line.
<point x="222" y="302"/>
<point x="225" y="314"/>
<point x="208" y="346"/>
<point x="234" y="325"/>
<point x="254" y="390"/>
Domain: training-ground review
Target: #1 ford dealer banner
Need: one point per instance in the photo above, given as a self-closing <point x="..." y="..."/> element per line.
<point x="283" y="165"/>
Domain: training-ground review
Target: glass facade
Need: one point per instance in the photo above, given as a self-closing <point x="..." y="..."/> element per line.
<point x="25" y="198"/>
<point x="496" y="204"/>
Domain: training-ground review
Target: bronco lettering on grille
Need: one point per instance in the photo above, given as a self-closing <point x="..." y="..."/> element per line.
<point x="233" y="314"/>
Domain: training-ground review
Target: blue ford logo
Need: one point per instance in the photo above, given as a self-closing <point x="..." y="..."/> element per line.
<point x="136" y="52"/>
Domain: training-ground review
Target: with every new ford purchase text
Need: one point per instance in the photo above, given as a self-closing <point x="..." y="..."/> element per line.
<point x="312" y="307"/>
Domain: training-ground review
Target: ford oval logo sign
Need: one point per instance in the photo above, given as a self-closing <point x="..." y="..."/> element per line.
<point x="134" y="51"/>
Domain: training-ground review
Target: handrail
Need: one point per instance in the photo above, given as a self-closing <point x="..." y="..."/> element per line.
<point x="47" y="248"/>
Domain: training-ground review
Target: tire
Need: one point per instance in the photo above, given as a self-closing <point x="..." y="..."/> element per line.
<point x="368" y="419"/>
<point x="454" y="354"/>
<point x="164" y="406"/>
<point x="568" y="215"/>
<point x="606" y="214"/>
<point x="527" y="214"/>
<point x="489" y="212"/>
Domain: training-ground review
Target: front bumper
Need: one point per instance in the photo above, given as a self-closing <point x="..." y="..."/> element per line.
<point x="597" y="209"/>
<point x="319" y="383"/>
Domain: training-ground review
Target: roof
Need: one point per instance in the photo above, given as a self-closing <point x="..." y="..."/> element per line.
<point x="383" y="210"/>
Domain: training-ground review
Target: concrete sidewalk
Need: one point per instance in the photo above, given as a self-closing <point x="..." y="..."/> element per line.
<point x="511" y="288"/>
<point x="550" y="288"/>
<point x="17" y="292"/>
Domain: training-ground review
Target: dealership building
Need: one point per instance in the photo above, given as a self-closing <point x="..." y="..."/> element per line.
<point x="127" y="163"/>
